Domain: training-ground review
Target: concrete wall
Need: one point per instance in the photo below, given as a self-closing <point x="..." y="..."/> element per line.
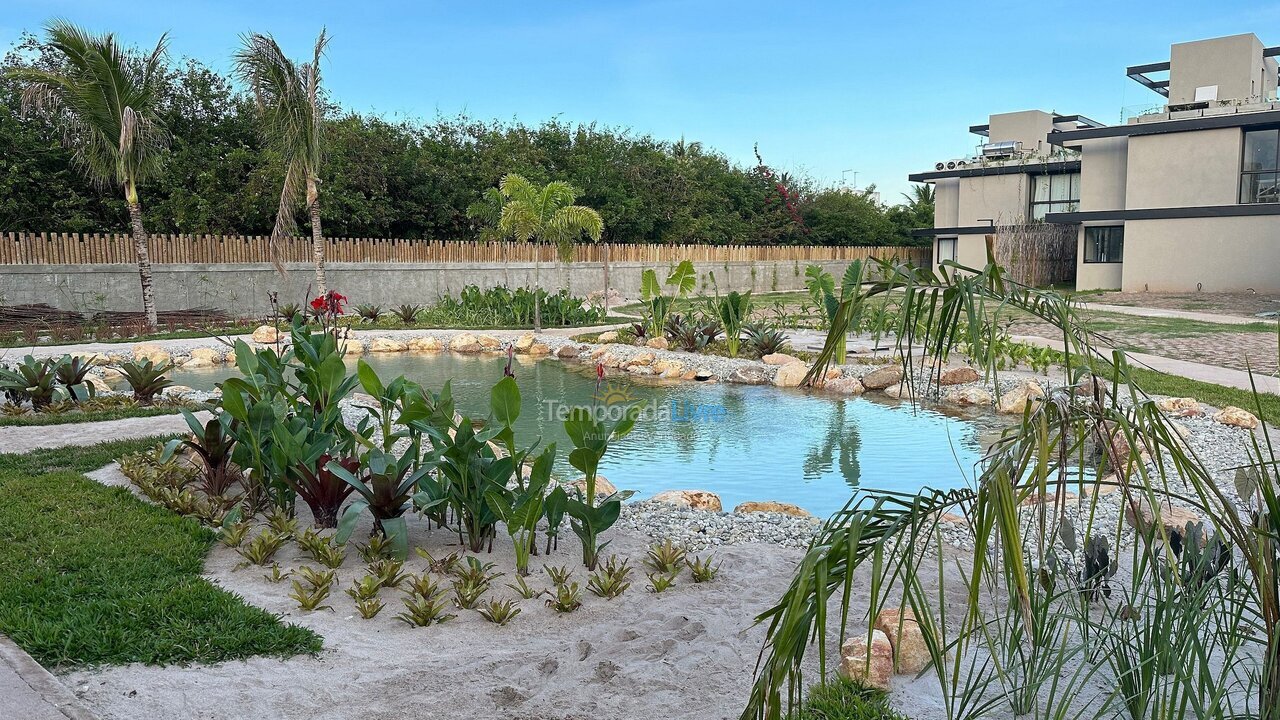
<point x="1097" y="276"/>
<point x="1185" y="169"/>
<point x="1221" y="254"/>
<point x="1233" y="63"/>
<point x="946" y="203"/>
<point x="1027" y="126"/>
<point x="1103" y="173"/>
<point x="242" y="289"/>
<point x="1002" y="198"/>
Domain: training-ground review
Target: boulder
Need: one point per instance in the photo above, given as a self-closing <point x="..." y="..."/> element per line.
<point x="193" y="363"/>
<point x="645" y="358"/>
<point x="599" y="353"/>
<point x="489" y="343"/>
<point x="658" y="343"/>
<point x="426" y="344"/>
<point x="1014" y="401"/>
<point x="695" y="499"/>
<point x="568" y="352"/>
<point x="868" y="664"/>
<point x="465" y="343"/>
<point x="1236" y="417"/>
<point x="231" y="358"/>
<point x="92" y="358"/>
<point x="603" y="486"/>
<point x="1172" y="517"/>
<point x="668" y="368"/>
<point x="910" y="652"/>
<point x="610" y="360"/>
<point x="266" y="335"/>
<point x="902" y="391"/>
<point x="213" y="356"/>
<point x="177" y="391"/>
<point x="882" y="378"/>
<point x="959" y="376"/>
<point x="152" y="352"/>
<point x="523" y="343"/>
<point x="351" y="346"/>
<point x="844" y="386"/>
<point x="778" y="359"/>
<point x="703" y="375"/>
<point x="791" y="374"/>
<point x="99" y="385"/>
<point x="538" y="349"/>
<point x="111" y="374"/>
<point x="639" y="369"/>
<point x="607" y="336"/>
<point x="770" y="506"/>
<point x="1180" y="407"/>
<point x="747" y="376"/>
<point x="364" y="400"/>
<point x="968" y="396"/>
<point x="387" y="345"/>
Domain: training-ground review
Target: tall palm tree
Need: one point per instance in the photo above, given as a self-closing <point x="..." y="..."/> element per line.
<point x="920" y="198"/>
<point x="545" y="214"/>
<point x="104" y="98"/>
<point x="292" y="116"/>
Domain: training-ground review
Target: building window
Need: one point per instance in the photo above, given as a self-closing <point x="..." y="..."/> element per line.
<point x="946" y="249"/>
<point x="1260" y="168"/>
<point x="1054" y="193"/>
<point x="1104" y="244"/>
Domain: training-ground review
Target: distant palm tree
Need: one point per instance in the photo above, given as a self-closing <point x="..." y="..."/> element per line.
<point x="545" y="214"/>
<point x="292" y="116"/>
<point x="920" y="197"/>
<point x="487" y="211"/>
<point x="104" y="99"/>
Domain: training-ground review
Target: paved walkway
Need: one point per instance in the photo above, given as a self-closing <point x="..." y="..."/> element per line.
<point x="24" y="439"/>
<point x="29" y="692"/>
<point x="1158" y="312"/>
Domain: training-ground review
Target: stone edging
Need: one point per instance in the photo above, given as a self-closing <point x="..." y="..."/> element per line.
<point x="42" y="683"/>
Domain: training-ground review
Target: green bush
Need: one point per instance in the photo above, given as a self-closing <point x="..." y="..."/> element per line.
<point x="843" y="700"/>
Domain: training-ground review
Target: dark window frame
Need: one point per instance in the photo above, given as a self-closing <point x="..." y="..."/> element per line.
<point x="1088" y="244"/>
<point x="1071" y="204"/>
<point x="955" y="248"/>
<point x="1245" y="175"/>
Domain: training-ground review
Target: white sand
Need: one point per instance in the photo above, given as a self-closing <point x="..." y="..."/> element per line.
<point x="688" y="652"/>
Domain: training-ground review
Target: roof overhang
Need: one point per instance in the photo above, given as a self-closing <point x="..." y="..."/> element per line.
<point x="1071" y="138"/>
<point x="1171" y="213"/>
<point x="968" y="230"/>
<point x="1036" y="168"/>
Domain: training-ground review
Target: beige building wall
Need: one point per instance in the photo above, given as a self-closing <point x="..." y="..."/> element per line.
<point x="1098" y="276"/>
<point x="1234" y="64"/>
<point x="1103" y="172"/>
<point x="999" y="198"/>
<point x="1227" y="254"/>
<point x="1185" y="169"/>
<point x="946" y="203"/>
<point x="971" y="250"/>
<point x="1026" y="126"/>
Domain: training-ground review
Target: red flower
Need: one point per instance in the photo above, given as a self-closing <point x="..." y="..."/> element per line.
<point x="317" y="304"/>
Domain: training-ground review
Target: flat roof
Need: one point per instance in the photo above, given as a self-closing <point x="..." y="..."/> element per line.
<point x="1039" y="167"/>
<point x="1066" y="138"/>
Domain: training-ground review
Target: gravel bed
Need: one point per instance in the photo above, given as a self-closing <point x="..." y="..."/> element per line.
<point x="701" y="529"/>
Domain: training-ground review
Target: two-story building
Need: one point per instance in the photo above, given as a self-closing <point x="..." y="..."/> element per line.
<point x="1183" y="197"/>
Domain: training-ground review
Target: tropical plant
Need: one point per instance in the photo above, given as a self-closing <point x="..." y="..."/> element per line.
<point x="213" y="443"/>
<point x="71" y="372"/>
<point x="424" y="604"/>
<point x="372" y="313"/>
<point x="33" y="380"/>
<point x="612" y="580"/>
<point x="822" y="291"/>
<point x="559" y="574"/>
<point x="691" y="333"/>
<point x="385" y="484"/>
<point x="1022" y="576"/>
<point x="523" y="589"/>
<point x="566" y="598"/>
<point x="106" y="102"/>
<point x="660" y="581"/>
<point x="591" y="437"/>
<point x="146" y="379"/>
<point x="765" y="339"/>
<point x="682" y="280"/>
<point x="733" y="310"/>
<point x="262" y="548"/>
<point x="545" y="214"/>
<point x="389" y="571"/>
<point x="291" y="113"/>
<point x="499" y="612"/>
<point x="407" y="313"/>
<point x="703" y="569"/>
<point x="666" y="557"/>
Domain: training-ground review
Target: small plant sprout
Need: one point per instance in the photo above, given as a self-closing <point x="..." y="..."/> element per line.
<point x="261" y="549"/>
<point x="424" y="602"/>
<point x="567" y="598"/>
<point x="467" y="593"/>
<point x="389" y="572"/>
<point x="329" y="555"/>
<point x="311" y="598"/>
<point x="309" y="540"/>
<point x="612" y="580"/>
<point x="499" y="612"/>
<point x="442" y="566"/>
<point x="421" y="585"/>
<point x="317" y="578"/>
<point x="234" y="534"/>
<point x="666" y="558"/>
<point x="369" y="608"/>
<point x="283" y="525"/>
<point x="366" y="588"/>
<point x="523" y="589"/>
<point x="559" y="575"/>
<point x="275" y="575"/>
<point x="702" y="569"/>
<point x="477" y="573"/>
<point x="659" y="582"/>
<point x="377" y="548"/>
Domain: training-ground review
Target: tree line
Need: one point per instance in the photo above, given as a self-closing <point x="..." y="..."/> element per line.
<point x="411" y="178"/>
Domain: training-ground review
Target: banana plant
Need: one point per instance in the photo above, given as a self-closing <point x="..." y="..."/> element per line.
<point x="385" y="484"/>
<point x="521" y="509"/>
<point x="682" y="280"/>
<point x="591" y="438"/>
<point x="733" y="310"/>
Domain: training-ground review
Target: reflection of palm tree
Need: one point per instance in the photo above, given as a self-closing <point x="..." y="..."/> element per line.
<point x="843" y="440"/>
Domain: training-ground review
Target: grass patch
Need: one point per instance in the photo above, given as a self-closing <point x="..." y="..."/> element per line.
<point x="1105" y="322"/>
<point x="843" y="700"/>
<point x="92" y="575"/>
<point x="84" y="416"/>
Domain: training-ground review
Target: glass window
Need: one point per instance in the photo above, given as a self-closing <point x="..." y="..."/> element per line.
<point x="1054" y="194"/>
<point x="946" y="249"/>
<point x="1260" y="167"/>
<point x="1104" y="244"/>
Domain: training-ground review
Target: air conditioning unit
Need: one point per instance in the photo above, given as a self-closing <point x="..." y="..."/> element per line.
<point x="961" y="163"/>
<point x="951" y="165"/>
<point x="1002" y="149"/>
<point x="939" y="166"/>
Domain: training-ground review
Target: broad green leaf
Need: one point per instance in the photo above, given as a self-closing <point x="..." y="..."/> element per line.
<point x="350" y="516"/>
<point x="504" y="401"/>
<point x="649" y="287"/>
<point x="369" y="379"/>
<point x="683" y="278"/>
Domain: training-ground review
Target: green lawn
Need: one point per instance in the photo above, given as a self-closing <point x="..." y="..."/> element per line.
<point x="92" y="575"/>
<point x="84" y="416"/>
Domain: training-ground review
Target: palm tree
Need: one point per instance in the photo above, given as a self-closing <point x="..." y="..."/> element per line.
<point x="545" y="214"/>
<point x="292" y="115"/>
<point x="920" y="199"/>
<point x="104" y="99"/>
<point x="486" y="212"/>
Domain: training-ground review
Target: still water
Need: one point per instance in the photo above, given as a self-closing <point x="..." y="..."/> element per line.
<point x="741" y="442"/>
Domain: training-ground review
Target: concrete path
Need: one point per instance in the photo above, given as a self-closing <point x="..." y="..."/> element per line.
<point x="29" y="692"/>
<point x="27" y="438"/>
<point x="1178" y="314"/>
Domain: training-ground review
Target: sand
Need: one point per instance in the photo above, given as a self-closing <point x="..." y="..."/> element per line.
<point x="686" y="653"/>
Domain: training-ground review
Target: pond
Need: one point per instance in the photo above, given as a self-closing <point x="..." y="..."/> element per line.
<point x="741" y="442"/>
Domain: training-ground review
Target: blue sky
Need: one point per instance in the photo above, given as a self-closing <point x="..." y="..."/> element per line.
<point x="878" y="88"/>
